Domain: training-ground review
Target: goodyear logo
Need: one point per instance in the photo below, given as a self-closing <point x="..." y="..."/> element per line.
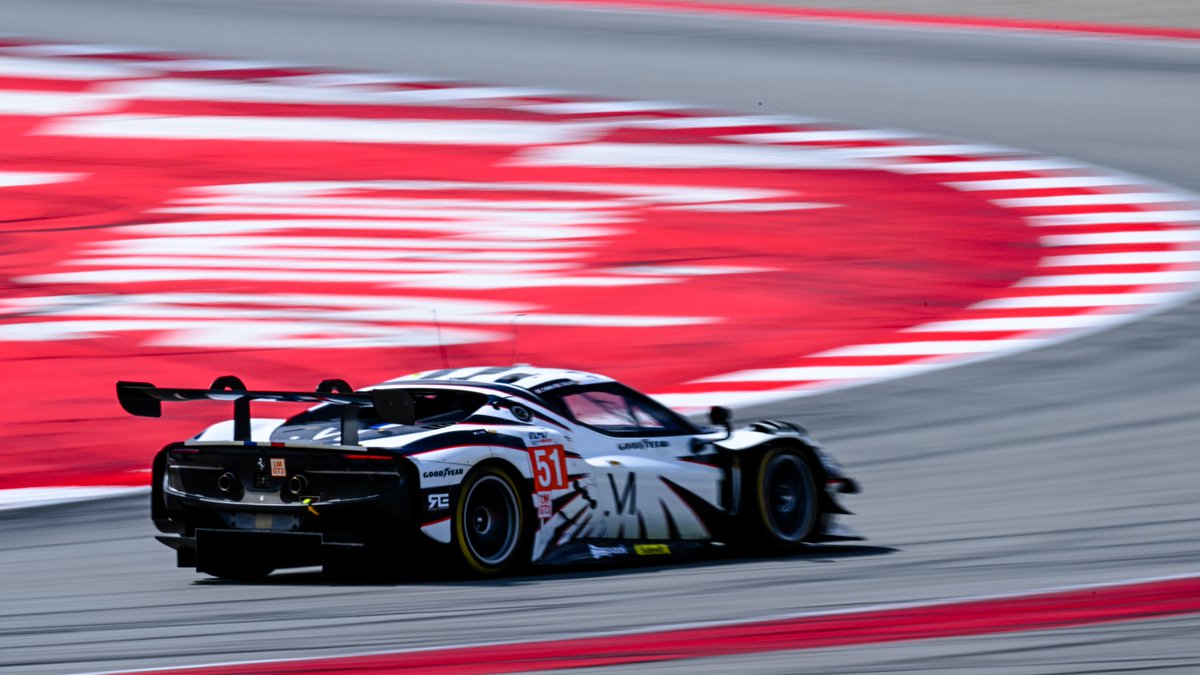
<point x="643" y="445"/>
<point x="652" y="549"/>
<point x="442" y="473"/>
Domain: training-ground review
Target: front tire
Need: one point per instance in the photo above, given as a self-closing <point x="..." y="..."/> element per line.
<point x="490" y="522"/>
<point x="783" y="505"/>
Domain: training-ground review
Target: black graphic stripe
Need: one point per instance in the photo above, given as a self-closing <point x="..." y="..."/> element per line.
<point x="672" y="528"/>
<point x="506" y="441"/>
<point x="561" y="503"/>
<point x="558" y="531"/>
<point x="713" y="518"/>
<point x="445" y="440"/>
<point x="582" y="526"/>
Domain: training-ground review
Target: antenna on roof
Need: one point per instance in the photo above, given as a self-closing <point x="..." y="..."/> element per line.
<point x="515" y="337"/>
<point x="441" y="345"/>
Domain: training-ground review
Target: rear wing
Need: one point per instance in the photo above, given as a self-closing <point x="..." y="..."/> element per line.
<point x="393" y="405"/>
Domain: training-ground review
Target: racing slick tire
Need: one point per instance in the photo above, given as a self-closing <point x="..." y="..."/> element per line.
<point x="491" y="531"/>
<point x="782" y="502"/>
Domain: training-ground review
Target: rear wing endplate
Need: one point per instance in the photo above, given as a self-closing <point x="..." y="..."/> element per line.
<point x="393" y="405"/>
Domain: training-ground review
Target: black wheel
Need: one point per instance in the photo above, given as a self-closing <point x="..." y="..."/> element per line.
<point x="782" y="504"/>
<point x="489" y="522"/>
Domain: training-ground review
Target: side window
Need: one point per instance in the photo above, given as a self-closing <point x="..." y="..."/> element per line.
<point x="600" y="409"/>
<point x="613" y="412"/>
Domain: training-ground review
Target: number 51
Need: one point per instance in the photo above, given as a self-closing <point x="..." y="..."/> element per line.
<point x="549" y="467"/>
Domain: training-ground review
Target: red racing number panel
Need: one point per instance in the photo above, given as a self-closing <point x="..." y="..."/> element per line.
<point x="549" y="464"/>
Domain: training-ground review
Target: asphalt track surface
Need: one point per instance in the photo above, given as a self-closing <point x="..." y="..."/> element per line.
<point x="1069" y="465"/>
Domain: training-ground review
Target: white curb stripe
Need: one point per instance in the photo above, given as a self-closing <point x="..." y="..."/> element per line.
<point x="1089" y="200"/>
<point x="997" y="166"/>
<point x="479" y="229"/>
<point x="718" y="122"/>
<point x="826" y="135"/>
<point x="216" y="65"/>
<point x="1138" y="258"/>
<point x="431" y="280"/>
<point x="784" y="143"/>
<point x="1077" y="300"/>
<point x="249" y="253"/>
<point x="932" y="348"/>
<point x="66" y="69"/>
<point x="138" y="314"/>
<point x="951" y="150"/>
<point x="1117" y="218"/>
<point x="20" y="498"/>
<point x="354" y="79"/>
<point x="813" y="373"/>
<point x="1113" y="279"/>
<point x="1119" y="238"/>
<point x="20" y="178"/>
<point x="239" y="92"/>
<point x="1015" y="323"/>
<point x="1063" y="182"/>
<point x="599" y="107"/>
<point x="184" y="244"/>
<point x="51" y="103"/>
<point x="333" y="129"/>
<point x="677" y="156"/>
<point x="354" y="264"/>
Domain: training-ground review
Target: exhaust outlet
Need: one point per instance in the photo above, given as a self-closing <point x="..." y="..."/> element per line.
<point x="227" y="482"/>
<point x="297" y="485"/>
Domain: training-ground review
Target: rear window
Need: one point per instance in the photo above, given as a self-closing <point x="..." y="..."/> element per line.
<point x="434" y="407"/>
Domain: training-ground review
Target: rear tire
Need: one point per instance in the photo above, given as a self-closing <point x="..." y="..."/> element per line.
<point x="490" y="522"/>
<point x="782" y="500"/>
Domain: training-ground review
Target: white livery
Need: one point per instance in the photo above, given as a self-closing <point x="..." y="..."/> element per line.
<point x="494" y="467"/>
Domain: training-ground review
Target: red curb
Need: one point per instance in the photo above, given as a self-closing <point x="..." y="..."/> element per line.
<point x="973" y="289"/>
<point x="1046" y="611"/>
<point x="883" y="18"/>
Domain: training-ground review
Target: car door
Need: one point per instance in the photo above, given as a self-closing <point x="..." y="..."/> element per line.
<point x="644" y="480"/>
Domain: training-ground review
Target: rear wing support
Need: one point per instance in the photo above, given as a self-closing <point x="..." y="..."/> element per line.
<point x="393" y="405"/>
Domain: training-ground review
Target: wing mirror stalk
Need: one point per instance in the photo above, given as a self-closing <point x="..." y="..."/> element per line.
<point x="722" y="417"/>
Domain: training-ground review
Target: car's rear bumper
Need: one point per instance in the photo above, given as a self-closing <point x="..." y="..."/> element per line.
<point x="212" y="550"/>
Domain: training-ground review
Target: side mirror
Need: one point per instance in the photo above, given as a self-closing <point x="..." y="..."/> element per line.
<point x="722" y="417"/>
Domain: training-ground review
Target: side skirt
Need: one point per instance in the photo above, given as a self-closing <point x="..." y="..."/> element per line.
<point x="600" y="551"/>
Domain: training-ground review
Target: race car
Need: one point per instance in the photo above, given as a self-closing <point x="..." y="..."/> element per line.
<point x="492" y="467"/>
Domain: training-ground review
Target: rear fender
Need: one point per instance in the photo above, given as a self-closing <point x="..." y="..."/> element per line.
<point x="159" y="511"/>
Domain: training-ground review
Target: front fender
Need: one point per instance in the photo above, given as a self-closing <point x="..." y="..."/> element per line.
<point x="770" y="432"/>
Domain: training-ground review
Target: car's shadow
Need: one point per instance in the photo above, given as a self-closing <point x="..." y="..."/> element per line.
<point x="817" y="554"/>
